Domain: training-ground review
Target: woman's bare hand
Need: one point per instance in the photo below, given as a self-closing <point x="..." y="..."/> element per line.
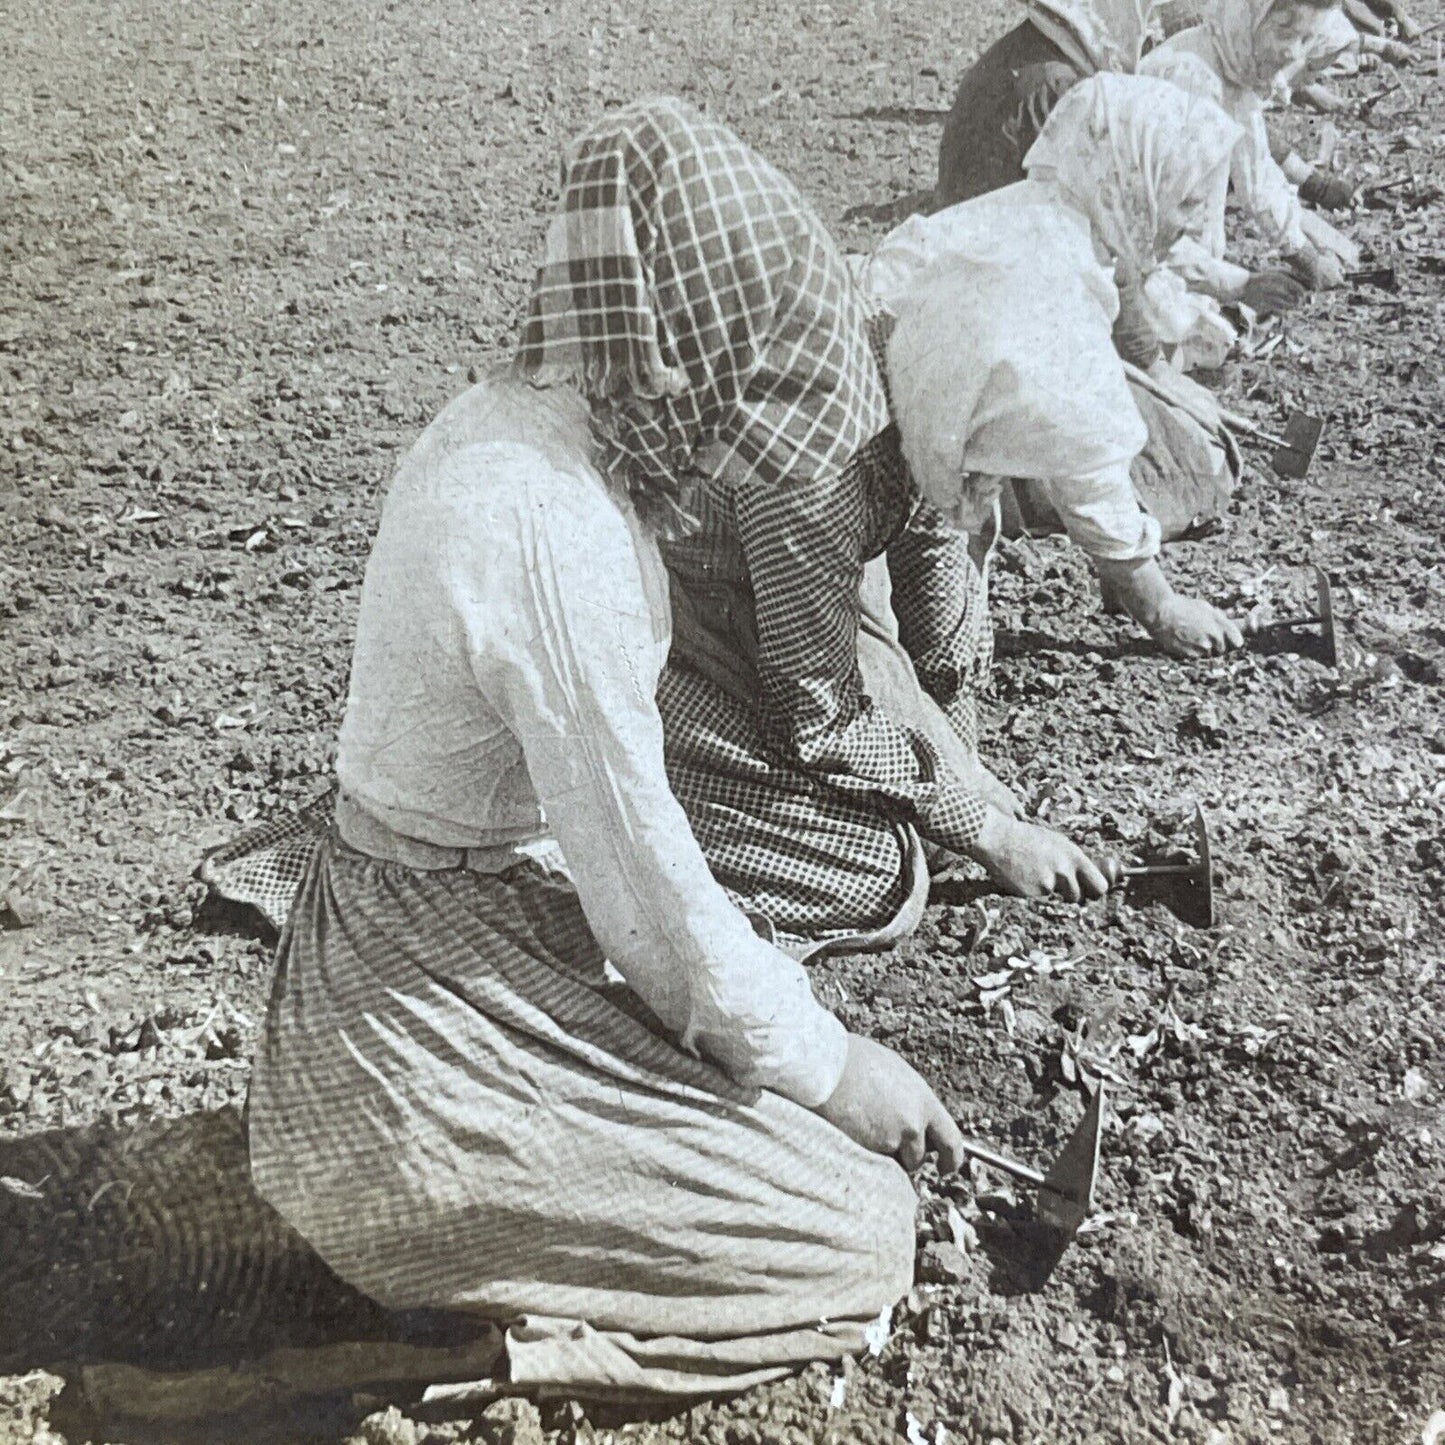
<point x="1033" y="862"/>
<point x="1191" y="627"/>
<point x="1272" y="292"/>
<point x="882" y="1103"/>
<point x="1182" y="626"/>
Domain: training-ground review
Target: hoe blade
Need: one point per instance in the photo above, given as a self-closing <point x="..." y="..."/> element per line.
<point x="1301" y="438"/>
<point x="1067" y="1195"/>
<point x="1325" y="597"/>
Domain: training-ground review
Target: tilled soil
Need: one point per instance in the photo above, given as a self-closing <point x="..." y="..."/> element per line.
<point x="250" y="249"/>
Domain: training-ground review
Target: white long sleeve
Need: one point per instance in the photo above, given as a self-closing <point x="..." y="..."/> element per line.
<point x="1189" y="60"/>
<point x="549" y="584"/>
<point x="1101" y="514"/>
<point x="1201" y="270"/>
<point x="1260" y="186"/>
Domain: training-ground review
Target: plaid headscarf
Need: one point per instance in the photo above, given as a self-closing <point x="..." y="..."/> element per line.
<point x="695" y="297"/>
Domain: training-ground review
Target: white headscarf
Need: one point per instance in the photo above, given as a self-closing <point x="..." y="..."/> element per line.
<point x="1335" y="38"/>
<point x="1095" y="34"/>
<point x="1136" y="155"/>
<point x="1233" y="27"/>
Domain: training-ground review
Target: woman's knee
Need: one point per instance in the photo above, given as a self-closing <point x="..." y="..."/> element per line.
<point x="884" y="1233"/>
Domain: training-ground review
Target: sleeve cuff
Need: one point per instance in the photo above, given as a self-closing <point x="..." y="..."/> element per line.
<point x="1141" y="548"/>
<point x="816" y="1056"/>
<point x="955" y="818"/>
<point x="1101" y="514"/>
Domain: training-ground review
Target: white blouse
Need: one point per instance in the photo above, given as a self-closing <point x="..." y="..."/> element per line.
<point x="1260" y="186"/>
<point x="1013" y="371"/>
<point x="514" y="622"/>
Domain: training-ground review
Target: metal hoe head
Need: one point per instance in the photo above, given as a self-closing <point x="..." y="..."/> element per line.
<point x="1189" y="887"/>
<point x="1202" y="881"/>
<point x="1383" y="277"/>
<point x="1323" y="616"/>
<point x="1066" y="1198"/>
<point x="1066" y="1191"/>
<point x="1294" y="451"/>
<point x="1325" y="601"/>
<point x="1297" y="447"/>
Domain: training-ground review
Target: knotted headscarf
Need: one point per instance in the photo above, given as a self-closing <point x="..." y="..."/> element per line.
<point x="1096" y="35"/>
<point x="1138" y="156"/>
<point x="1234" y="28"/>
<point x="1335" y="38"/>
<point x="692" y="294"/>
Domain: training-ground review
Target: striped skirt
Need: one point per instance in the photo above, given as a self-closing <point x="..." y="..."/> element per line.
<point x="458" y="1111"/>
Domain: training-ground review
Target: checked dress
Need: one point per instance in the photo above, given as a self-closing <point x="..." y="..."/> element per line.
<point x="733" y="366"/>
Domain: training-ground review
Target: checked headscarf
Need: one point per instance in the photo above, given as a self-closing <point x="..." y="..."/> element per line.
<point x="695" y="297"/>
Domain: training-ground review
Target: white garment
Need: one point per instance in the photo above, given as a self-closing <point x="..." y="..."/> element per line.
<point x="1192" y="60"/>
<point x="1002" y="364"/>
<point x="1334" y="41"/>
<point x="1145" y="160"/>
<point x="1188" y="323"/>
<point x="1095" y="34"/>
<point x="513" y="625"/>
<point x="1203" y="271"/>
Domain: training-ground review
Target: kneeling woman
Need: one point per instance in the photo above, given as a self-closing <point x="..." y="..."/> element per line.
<point x="678" y="1173"/>
<point x="1241" y="54"/>
<point x="1003" y="363"/>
